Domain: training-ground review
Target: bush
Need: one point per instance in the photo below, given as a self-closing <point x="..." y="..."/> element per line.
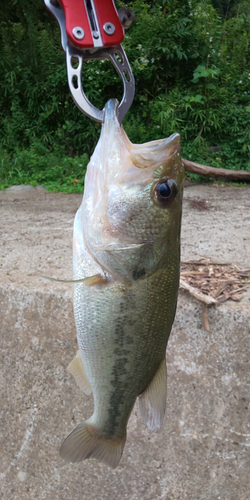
<point x="37" y="165"/>
<point x="191" y="64"/>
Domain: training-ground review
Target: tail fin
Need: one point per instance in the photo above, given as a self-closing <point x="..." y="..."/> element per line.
<point x="86" y="441"/>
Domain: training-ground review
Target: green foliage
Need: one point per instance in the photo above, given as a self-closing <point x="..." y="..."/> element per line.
<point x="37" y="165"/>
<point x="191" y="63"/>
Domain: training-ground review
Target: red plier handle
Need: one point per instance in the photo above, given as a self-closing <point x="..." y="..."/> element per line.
<point x="91" y="29"/>
<point x="92" y="23"/>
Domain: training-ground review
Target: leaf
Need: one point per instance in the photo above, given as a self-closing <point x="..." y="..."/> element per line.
<point x="204" y="73"/>
<point x="195" y="79"/>
<point x="198" y="98"/>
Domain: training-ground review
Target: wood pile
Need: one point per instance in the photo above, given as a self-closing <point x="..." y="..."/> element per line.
<point x="213" y="283"/>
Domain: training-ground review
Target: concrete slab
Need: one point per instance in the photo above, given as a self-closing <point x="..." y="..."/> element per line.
<point x="203" y="449"/>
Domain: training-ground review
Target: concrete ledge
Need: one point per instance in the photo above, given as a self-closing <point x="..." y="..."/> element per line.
<point x="203" y="449"/>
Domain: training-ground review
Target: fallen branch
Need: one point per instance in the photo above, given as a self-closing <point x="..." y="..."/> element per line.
<point x="206" y="299"/>
<point x="216" y="173"/>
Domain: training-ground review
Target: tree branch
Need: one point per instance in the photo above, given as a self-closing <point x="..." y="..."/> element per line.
<point x="216" y="173"/>
<point x="195" y="292"/>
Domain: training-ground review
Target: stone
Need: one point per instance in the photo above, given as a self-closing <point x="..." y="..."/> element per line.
<point x="25" y="190"/>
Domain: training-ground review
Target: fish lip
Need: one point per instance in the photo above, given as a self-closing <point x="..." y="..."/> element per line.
<point x="119" y="247"/>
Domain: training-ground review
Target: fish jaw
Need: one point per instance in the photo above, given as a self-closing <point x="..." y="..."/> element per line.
<point x="122" y="225"/>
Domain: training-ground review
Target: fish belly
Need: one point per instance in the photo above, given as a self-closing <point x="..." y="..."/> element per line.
<point x="122" y="334"/>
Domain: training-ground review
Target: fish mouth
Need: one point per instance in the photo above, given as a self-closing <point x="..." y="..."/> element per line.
<point x="122" y="248"/>
<point x="114" y="247"/>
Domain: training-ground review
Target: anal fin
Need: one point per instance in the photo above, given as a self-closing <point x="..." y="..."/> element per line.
<point x="152" y="402"/>
<point x="77" y="370"/>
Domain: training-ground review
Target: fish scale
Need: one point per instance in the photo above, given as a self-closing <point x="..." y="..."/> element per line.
<point x="128" y="257"/>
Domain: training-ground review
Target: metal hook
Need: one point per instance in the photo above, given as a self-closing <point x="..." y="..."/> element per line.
<point x="75" y="84"/>
<point x="55" y="8"/>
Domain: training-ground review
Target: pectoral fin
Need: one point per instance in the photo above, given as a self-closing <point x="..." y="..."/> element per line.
<point x="97" y="279"/>
<point x="152" y="402"/>
<point x="77" y="370"/>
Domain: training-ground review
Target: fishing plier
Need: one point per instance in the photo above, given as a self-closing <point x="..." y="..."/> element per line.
<point x="94" y="29"/>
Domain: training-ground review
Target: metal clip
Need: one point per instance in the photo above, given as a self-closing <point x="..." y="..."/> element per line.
<point x="92" y="31"/>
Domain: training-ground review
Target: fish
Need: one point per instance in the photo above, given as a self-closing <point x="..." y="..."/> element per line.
<point x="126" y="262"/>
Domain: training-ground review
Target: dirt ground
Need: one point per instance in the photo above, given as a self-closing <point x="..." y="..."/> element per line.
<point x="202" y="449"/>
<point x="37" y="227"/>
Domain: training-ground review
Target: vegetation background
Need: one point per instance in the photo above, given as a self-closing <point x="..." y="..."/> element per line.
<point x="191" y="62"/>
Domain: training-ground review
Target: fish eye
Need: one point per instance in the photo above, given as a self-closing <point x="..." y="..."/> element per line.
<point x="165" y="192"/>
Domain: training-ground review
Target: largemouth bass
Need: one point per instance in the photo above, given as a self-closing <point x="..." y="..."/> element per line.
<point x="126" y="256"/>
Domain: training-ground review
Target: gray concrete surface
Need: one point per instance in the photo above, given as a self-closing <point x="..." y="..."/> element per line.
<point x="203" y="448"/>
